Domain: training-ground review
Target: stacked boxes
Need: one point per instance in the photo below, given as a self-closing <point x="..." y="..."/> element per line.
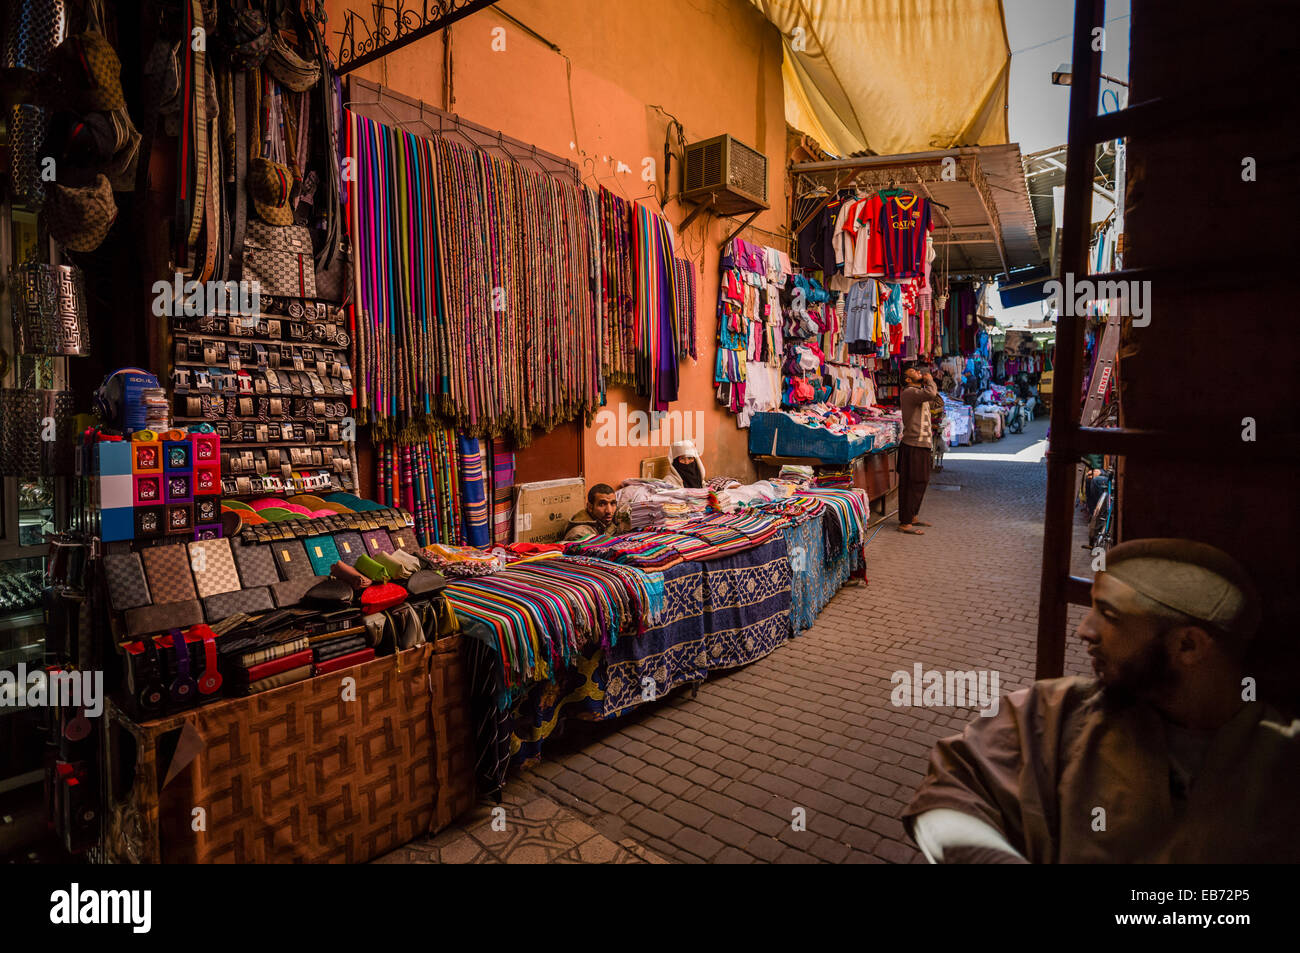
<point x="151" y="488"/>
<point x="115" y="490"/>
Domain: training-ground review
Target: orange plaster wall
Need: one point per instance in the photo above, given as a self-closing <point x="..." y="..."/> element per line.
<point x="715" y="65"/>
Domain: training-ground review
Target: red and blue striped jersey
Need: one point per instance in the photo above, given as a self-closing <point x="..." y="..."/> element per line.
<point x="902" y="224"/>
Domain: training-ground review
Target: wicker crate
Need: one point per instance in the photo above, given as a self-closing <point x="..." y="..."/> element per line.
<point x="297" y="774"/>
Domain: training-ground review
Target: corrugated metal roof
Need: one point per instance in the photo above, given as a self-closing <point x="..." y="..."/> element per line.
<point x="1045" y="170"/>
<point x="988" y="227"/>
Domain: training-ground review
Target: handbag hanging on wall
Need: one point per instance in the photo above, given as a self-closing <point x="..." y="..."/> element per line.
<point x="279" y="259"/>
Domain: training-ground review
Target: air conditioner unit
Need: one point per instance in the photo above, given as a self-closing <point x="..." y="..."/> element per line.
<point x="726" y="175"/>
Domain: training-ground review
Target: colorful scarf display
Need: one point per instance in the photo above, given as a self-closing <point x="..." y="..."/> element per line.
<point x="617" y="290"/>
<point x="422" y="476"/>
<point x="475" y="293"/>
<point x="474" y="492"/>
<point x="684" y="284"/>
<point x="657" y="323"/>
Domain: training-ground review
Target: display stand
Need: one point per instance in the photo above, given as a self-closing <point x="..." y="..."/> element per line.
<point x="876" y="473"/>
<point x="343" y="767"/>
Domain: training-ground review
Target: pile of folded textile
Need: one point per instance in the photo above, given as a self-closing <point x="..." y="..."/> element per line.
<point x="834" y="477"/>
<point x="462" y="561"/>
<point x="794" y="473"/>
<point x="886" y="426"/>
<point x="647" y="502"/>
<point x="729" y="500"/>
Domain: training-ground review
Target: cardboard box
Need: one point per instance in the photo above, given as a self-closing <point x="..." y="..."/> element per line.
<point x="542" y="510"/>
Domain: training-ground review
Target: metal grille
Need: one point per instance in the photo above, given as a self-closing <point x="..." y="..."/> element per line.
<point x="27" y="129"/>
<point x="36" y="432"/>
<point x="704" y="164"/>
<point x="748" y="170"/>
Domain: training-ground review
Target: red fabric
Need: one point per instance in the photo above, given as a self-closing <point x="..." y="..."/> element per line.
<point x="532" y="549"/>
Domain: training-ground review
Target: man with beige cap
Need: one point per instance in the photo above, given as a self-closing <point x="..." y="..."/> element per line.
<point x="1164" y="757"/>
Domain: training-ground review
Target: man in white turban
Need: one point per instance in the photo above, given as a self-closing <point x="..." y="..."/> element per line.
<point x="1164" y="757"/>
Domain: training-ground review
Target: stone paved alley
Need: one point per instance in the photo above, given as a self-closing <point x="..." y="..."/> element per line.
<point x="716" y="777"/>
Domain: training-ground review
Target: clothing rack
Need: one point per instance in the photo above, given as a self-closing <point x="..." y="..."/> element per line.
<point x="381" y="104"/>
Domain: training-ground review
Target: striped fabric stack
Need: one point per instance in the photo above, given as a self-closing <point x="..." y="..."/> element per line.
<point x="541" y="615"/>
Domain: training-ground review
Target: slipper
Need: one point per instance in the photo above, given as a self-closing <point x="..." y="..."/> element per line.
<point x="920" y="523"/>
<point x="911" y="532"/>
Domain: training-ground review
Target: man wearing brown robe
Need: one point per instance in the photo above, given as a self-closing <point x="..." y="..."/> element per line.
<point x="1164" y="757"/>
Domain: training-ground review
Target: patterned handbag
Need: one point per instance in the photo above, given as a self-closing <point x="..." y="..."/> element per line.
<point x="291" y="591"/>
<point x="256" y="565"/>
<point x="291" y="560"/>
<point x="333" y="281"/>
<point x="279" y="259"/>
<point x="33" y="29"/>
<point x="160" y="618"/>
<point x="27" y="418"/>
<point x="213" y="566"/>
<point x="124" y="576"/>
<point x="377" y="541"/>
<point x="404" y="540"/>
<point x="350" y="547"/>
<point x="167" y="568"/>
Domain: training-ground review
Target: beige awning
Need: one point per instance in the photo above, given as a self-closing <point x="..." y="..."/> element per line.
<point x="894" y="76"/>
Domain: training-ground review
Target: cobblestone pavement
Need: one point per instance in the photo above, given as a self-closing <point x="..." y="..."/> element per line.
<point x="718" y="777"/>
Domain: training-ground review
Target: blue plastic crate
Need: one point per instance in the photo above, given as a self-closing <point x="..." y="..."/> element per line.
<point x="778" y="435"/>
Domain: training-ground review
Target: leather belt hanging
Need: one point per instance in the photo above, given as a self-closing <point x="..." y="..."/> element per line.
<point x="212" y="205"/>
<point x="197" y="147"/>
<point x="241" y="174"/>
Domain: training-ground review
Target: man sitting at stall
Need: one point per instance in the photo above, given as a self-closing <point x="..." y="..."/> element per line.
<point x="687" y="469"/>
<point x="597" y="518"/>
<point x="1164" y="757"/>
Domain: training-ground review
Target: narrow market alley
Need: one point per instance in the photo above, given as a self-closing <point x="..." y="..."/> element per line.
<point x="718" y="777"/>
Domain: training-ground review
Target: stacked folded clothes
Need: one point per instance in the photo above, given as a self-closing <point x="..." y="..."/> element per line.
<point x="834" y="477"/>
<point x="729" y="500"/>
<point x="796" y="509"/>
<point x="647" y="502"/>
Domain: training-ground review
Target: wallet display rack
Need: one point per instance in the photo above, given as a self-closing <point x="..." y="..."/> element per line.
<point x="277" y="388"/>
<point x="158" y="588"/>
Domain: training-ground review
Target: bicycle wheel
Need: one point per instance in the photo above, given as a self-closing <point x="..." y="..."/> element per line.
<point x="1099" y="522"/>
